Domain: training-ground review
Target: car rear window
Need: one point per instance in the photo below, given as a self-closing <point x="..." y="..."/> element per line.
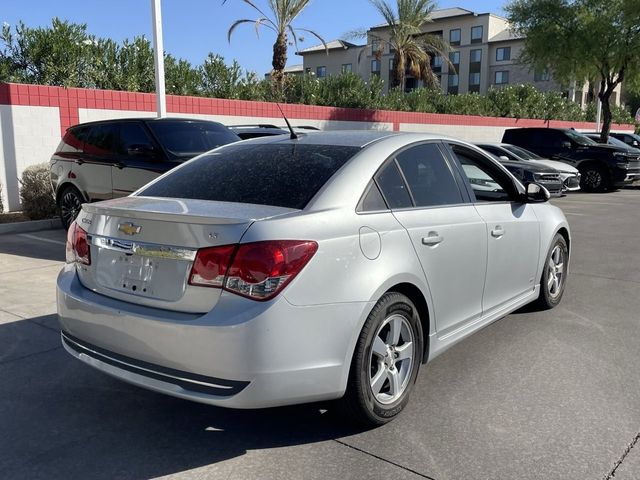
<point x="282" y="175"/>
<point x="188" y="139"/>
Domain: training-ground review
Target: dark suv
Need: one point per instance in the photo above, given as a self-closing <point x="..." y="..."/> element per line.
<point x="113" y="158"/>
<point x="602" y="166"/>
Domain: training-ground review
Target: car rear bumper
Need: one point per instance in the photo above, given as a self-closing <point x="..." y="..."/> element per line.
<point x="240" y="355"/>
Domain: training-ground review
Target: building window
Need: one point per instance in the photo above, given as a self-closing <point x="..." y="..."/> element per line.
<point x="541" y="76"/>
<point x="454" y="57"/>
<point x="502" y="78"/>
<point x="321" y="72"/>
<point x="375" y="67"/>
<point x="454" y="36"/>
<point x="476" y="34"/>
<point x="375" y="45"/>
<point x="436" y="62"/>
<point x="503" y="53"/>
<point x="392" y="65"/>
<point x="475" y="56"/>
<point x="453" y="81"/>
<point x="474" y="78"/>
<point x="347" y="68"/>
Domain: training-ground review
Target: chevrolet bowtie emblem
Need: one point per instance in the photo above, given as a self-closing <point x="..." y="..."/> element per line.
<point x="129" y="228"/>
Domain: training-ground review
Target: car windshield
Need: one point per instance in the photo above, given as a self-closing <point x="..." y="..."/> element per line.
<point x="188" y="139"/>
<point x="522" y="153"/>
<point x="579" y="138"/>
<point x="282" y="174"/>
<point x="618" y="143"/>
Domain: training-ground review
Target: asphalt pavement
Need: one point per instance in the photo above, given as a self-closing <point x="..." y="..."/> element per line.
<point x="536" y="395"/>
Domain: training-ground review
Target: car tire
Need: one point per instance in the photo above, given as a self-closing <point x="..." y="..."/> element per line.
<point x="385" y="362"/>
<point x="554" y="274"/>
<point x="70" y="201"/>
<point x="594" y="178"/>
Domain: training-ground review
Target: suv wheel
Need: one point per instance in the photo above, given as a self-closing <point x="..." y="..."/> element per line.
<point x="594" y="178"/>
<point x="69" y="202"/>
<point x="554" y="275"/>
<point x="385" y="362"/>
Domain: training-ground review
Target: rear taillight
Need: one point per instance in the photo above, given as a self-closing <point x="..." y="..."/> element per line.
<point x="78" y="245"/>
<point x="258" y="270"/>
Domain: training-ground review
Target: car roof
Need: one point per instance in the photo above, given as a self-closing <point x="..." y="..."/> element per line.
<point x="347" y="138"/>
<point x="148" y="120"/>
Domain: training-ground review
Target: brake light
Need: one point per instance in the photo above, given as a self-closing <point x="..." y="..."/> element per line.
<point x="258" y="270"/>
<point x="77" y="247"/>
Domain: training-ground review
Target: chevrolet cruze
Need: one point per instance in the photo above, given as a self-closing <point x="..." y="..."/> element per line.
<point x="331" y="265"/>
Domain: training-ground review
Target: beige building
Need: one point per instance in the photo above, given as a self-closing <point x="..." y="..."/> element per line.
<point x="484" y="54"/>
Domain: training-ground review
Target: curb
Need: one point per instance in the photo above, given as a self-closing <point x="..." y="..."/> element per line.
<point x="30" y="226"/>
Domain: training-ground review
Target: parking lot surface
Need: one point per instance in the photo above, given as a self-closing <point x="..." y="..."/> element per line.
<point x="536" y="395"/>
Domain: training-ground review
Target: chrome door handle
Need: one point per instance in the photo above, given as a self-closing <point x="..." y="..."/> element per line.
<point x="432" y="239"/>
<point x="497" y="232"/>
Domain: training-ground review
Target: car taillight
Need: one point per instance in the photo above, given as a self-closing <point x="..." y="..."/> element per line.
<point x="258" y="270"/>
<point x="77" y="247"/>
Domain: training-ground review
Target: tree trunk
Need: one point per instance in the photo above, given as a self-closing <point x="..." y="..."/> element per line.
<point x="401" y="71"/>
<point x="605" y="97"/>
<point x="279" y="58"/>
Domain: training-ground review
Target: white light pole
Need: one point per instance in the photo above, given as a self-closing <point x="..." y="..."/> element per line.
<point x="598" y="115"/>
<point x="158" y="54"/>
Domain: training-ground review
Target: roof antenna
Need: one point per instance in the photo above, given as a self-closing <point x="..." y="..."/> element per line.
<point x="293" y="134"/>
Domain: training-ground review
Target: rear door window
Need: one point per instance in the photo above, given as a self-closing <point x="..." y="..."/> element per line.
<point x="392" y="186"/>
<point x="430" y="179"/>
<point x="73" y="140"/>
<point x="101" y="140"/>
<point x="283" y="174"/>
<point x="188" y="139"/>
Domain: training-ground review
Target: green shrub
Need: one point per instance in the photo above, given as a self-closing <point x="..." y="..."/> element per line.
<point x="36" y="193"/>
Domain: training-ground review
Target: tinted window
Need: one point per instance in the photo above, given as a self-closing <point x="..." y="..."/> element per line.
<point x="283" y="175"/>
<point x="392" y="186"/>
<point x="429" y="177"/>
<point x="372" y="200"/>
<point x="133" y="135"/>
<point x="73" y="140"/>
<point x="101" y="139"/>
<point x="487" y="182"/>
<point x="188" y="139"/>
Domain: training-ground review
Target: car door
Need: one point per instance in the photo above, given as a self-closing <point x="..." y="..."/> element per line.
<point x="447" y="233"/>
<point x="138" y="159"/>
<point x="93" y="168"/>
<point x="512" y="231"/>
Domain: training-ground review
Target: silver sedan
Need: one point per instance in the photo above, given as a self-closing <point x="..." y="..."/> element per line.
<point x="288" y="270"/>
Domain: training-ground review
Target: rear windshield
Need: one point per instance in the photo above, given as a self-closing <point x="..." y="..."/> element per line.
<point x="188" y="139"/>
<point x="282" y="175"/>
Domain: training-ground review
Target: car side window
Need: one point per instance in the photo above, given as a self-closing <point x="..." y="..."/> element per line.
<point x="372" y="200"/>
<point x="429" y="176"/>
<point x="393" y="187"/>
<point x="73" y="140"/>
<point x="488" y="182"/>
<point x="101" y="140"/>
<point x="133" y="139"/>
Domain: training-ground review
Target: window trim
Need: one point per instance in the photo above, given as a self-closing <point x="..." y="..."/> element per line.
<point x="455" y="42"/>
<point x="317" y="71"/>
<point x="471" y="60"/>
<point x="503" y="59"/>
<point x="344" y="66"/>
<point x="495" y="77"/>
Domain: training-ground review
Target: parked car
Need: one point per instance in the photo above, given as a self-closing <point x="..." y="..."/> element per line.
<point x="545" y="176"/>
<point x="615" y="142"/>
<point x="570" y="175"/>
<point x="246" y="132"/>
<point x="602" y="167"/>
<point x="113" y="158"/>
<point x="631" y="139"/>
<point x="277" y="271"/>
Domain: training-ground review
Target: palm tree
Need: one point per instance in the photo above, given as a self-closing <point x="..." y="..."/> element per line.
<point x="283" y="13"/>
<point x="413" y="49"/>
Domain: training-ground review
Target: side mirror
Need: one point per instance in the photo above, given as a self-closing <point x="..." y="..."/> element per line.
<point x="537" y="193"/>
<point x="504" y="158"/>
<point x="141" y="150"/>
<point x="635" y="143"/>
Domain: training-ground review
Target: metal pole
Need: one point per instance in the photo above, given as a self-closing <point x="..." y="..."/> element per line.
<point x="598" y="115"/>
<point x="158" y="54"/>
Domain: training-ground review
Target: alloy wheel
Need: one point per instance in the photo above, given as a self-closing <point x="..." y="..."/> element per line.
<point x="555" y="274"/>
<point x="70" y="205"/>
<point x="391" y="359"/>
<point x="593" y="179"/>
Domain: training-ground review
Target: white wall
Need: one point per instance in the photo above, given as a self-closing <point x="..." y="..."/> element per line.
<point x="29" y="136"/>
